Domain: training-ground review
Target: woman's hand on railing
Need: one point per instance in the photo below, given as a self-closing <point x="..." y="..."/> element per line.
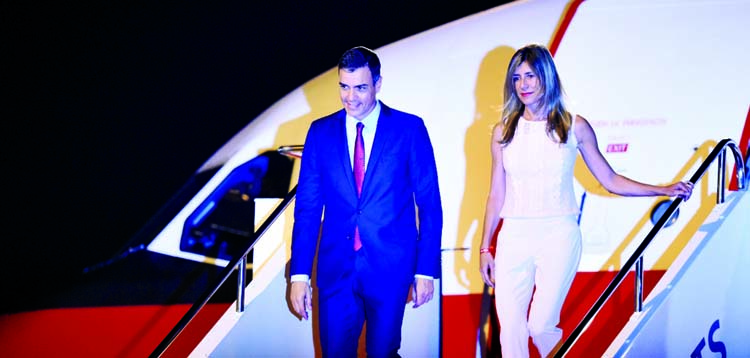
<point x="682" y="189"/>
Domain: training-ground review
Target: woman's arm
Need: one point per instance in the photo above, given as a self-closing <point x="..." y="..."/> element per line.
<point x="495" y="201"/>
<point x="616" y="183"/>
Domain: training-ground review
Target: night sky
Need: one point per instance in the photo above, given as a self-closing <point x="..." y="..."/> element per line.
<point x="109" y="109"/>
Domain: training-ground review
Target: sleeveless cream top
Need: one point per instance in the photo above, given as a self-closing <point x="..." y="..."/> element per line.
<point x="539" y="172"/>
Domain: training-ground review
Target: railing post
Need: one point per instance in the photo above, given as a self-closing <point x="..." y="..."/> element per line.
<point x="720" y="185"/>
<point x="241" y="283"/>
<point x="639" y="284"/>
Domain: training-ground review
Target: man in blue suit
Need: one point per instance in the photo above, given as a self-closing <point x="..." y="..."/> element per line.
<point x="371" y="170"/>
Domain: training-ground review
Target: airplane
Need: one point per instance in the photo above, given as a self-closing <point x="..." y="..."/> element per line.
<point x="662" y="84"/>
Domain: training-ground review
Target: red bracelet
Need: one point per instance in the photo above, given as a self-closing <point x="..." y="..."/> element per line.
<point x="486" y="250"/>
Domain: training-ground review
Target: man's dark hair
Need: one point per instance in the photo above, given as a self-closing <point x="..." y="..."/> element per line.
<point x="359" y="57"/>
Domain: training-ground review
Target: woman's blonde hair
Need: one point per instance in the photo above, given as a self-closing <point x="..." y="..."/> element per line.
<point x="558" y="118"/>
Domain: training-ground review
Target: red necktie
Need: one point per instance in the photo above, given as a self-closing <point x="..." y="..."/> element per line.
<point x="359" y="173"/>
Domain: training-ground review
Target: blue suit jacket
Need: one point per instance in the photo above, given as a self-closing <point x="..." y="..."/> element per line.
<point x="401" y="172"/>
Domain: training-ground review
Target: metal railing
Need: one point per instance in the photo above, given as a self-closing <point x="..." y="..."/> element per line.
<point x="717" y="154"/>
<point x="239" y="262"/>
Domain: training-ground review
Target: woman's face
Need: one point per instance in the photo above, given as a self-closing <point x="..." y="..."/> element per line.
<point x="527" y="85"/>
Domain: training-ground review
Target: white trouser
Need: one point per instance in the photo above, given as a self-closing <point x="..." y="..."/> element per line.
<point x="541" y="251"/>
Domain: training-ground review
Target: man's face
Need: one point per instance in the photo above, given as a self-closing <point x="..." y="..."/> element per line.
<point x="358" y="92"/>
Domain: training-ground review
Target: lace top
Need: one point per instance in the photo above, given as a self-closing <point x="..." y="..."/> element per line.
<point x="539" y="172"/>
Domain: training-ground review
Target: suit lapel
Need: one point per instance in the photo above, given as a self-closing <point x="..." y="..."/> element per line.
<point x="383" y="135"/>
<point x="343" y="150"/>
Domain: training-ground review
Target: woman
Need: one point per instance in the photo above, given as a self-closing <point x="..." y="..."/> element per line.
<point x="534" y="148"/>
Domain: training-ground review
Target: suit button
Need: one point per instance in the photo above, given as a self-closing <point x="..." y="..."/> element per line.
<point x="359" y="212"/>
<point x="348" y="237"/>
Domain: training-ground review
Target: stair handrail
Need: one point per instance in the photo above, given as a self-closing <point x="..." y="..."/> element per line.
<point x="239" y="262"/>
<point x="717" y="154"/>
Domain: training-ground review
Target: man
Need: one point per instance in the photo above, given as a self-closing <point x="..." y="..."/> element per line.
<point x="369" y="180"/>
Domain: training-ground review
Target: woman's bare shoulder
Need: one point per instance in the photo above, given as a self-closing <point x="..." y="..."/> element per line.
<point x="497" y="130"/>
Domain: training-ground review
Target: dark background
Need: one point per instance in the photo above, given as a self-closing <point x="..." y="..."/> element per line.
<point x="109" y="109"/>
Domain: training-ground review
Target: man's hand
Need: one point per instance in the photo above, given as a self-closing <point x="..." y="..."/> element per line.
<point x="422" y="292"/>
<point x="301" y="296"/>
